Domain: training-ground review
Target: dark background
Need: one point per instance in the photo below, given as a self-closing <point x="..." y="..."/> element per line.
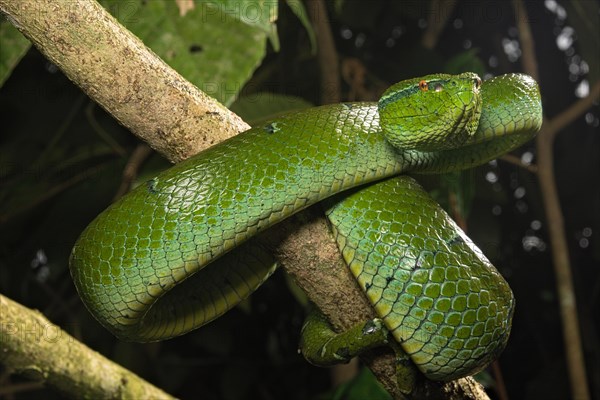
<point x="49" y="192"/>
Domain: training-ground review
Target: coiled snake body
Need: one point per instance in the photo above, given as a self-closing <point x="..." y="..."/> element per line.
<point x="439" y="297"/>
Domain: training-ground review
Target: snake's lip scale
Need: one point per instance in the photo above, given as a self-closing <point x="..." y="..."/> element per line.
<point x="144" y="267"/>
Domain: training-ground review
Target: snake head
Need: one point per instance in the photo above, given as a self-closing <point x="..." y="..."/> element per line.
<point x="436" y="112"/>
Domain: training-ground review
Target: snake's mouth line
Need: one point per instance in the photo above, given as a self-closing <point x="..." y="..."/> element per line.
<point x="436" y="111"/>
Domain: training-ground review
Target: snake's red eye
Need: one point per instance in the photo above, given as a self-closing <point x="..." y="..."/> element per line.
<point x="423" y="86"/>
<point x="477" y="83"/>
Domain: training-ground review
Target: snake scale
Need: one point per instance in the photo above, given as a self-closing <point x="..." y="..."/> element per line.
<point x="440" y="298"/>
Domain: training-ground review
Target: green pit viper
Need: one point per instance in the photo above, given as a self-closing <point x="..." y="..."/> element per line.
<point x="158" y="262"/>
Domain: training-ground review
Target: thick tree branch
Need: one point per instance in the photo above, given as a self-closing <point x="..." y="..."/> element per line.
<point x="117" y="71"/>
<point x="307" y="250"/>
<point x="32" y="346"/>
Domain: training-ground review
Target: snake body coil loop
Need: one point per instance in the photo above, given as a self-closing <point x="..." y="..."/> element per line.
<point x="158" y="263"/>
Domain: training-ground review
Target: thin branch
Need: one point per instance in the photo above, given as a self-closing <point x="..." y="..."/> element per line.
<point x="33" y="346"/>
<point x="326" y="52"/>
<point x="512" y="159"/>
<point x="11" y="389"/>
<point x="53" y="191"/>
<point x="438" y="16"/>
<point x="354" y="74"/>
<point x="130" y="172"/>
<point x="101" y="132"/>
<point x="554" y="217"/>
<point x="528" y="53"/>
<point x="574" y="111"/>
<point x="562" y="266"/>
<point x="499" y="385"/>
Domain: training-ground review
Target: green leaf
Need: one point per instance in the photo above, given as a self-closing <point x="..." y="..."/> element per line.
<point x="216" y="45"/>
<point x="260" y="14"/>
<point x="13" y="48"/>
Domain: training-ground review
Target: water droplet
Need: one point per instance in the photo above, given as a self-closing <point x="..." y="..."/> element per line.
<point x="565" y="38"/>
<point x="574" y="68"/>
<point x="346" y="33"/>
<point x="527" y="158"/>
<point x="511" y="48"/>
<point x="583" y="89"/>
<point x="519" y="192"/>
<point x="556" y="8"/>
<point x="491" y="177"/>
<point x="360" y="40"/>
<point x="521" y="206"/>
<point x="397" y="32"/>
<point x="532" y="242"/>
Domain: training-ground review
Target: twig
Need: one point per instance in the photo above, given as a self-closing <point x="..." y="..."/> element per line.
<point x="555" y="125"/>
<point x="326" y="53"/>
<point x="137" y="158"/>
<point x="105" y="136"/>
<point x="354" y="73"/>
<point x="20" y="387"/>
<point x="53" y="191"/>
<point x="499" y="386"/>
<point x="439" y="13"/>
<point x="49" y="148"/>
<point x="529" y="59"/>
<point x="554" y="217"/>
<point x="457" y="215"/>
<point x="510" y="158"/>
